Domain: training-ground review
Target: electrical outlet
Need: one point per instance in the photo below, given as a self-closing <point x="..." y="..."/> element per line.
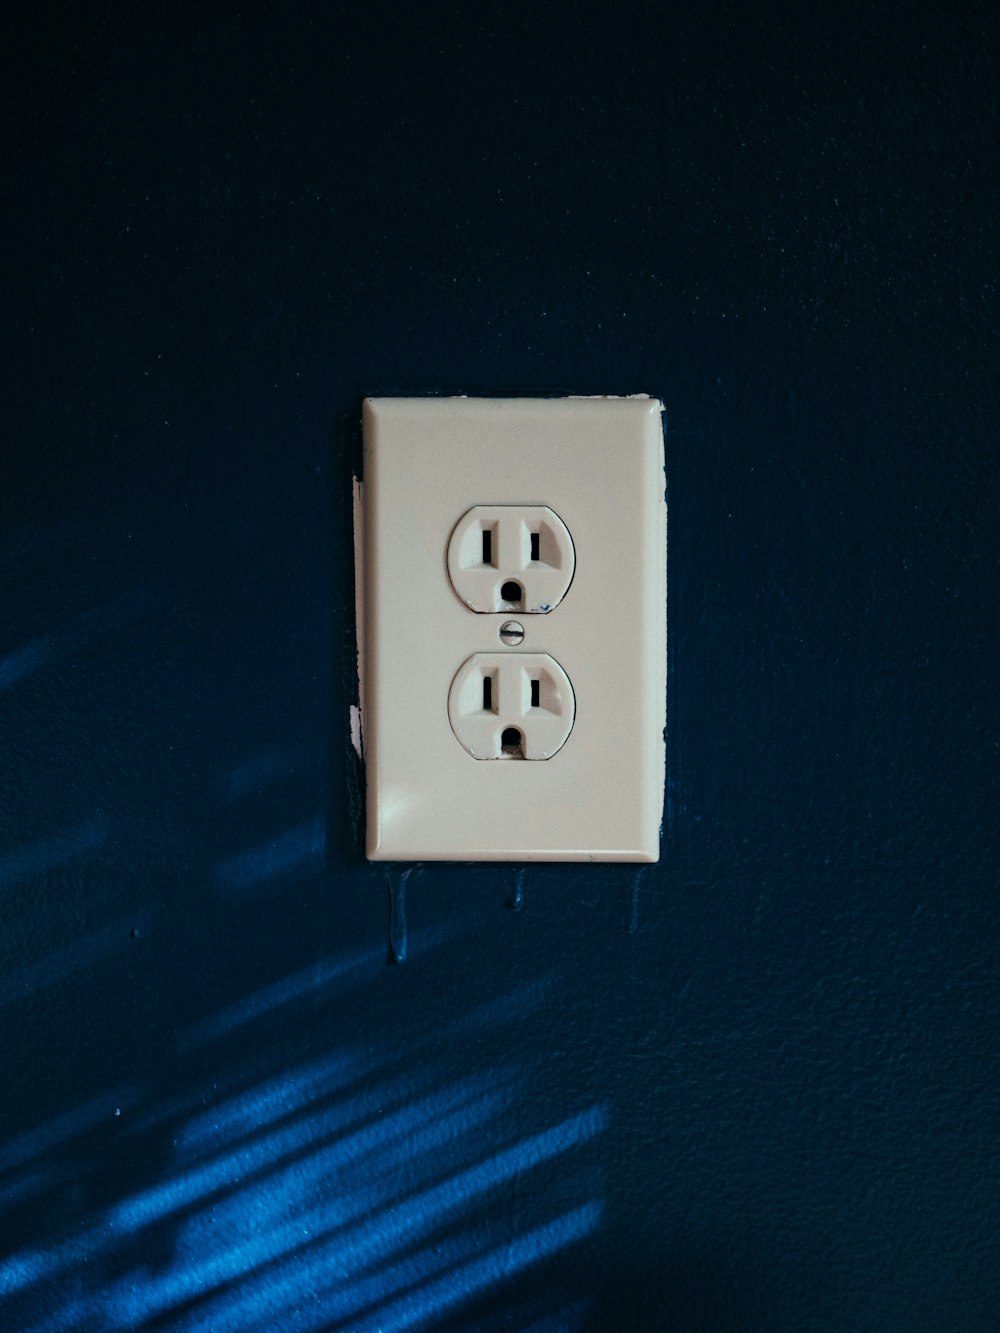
<point x="511" y="558"/>
<point x="511" y="706"/>
<point x="512" y="628"/>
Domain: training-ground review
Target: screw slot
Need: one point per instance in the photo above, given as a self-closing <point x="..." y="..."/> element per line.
<point x="511" y="632"/>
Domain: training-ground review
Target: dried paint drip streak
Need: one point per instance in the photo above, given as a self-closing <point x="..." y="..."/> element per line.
<point x="397" y="918"/>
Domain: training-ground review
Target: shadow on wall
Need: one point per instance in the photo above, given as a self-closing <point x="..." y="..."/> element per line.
<point x="350" y="1189"/>
<point x="684" y="1291"/>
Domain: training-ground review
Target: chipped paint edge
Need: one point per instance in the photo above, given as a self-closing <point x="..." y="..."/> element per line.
<point x="356" y="712"/>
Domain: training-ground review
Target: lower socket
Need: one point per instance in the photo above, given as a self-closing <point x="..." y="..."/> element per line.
<point x="511" y="706"/>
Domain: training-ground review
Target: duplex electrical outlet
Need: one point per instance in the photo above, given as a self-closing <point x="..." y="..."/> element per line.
<point x="512" y="628"/>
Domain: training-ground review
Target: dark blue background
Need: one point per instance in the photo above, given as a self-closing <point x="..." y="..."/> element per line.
<point x="753" y="1087"/>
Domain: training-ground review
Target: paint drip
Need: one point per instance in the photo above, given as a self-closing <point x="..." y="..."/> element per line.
<point x="515" y="898"/>
<point x="396" y="952"/>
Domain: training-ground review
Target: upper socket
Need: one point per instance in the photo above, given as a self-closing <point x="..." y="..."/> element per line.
<point x="511" y="558"/>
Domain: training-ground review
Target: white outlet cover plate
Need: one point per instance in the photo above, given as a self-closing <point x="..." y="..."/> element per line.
<point x="598" y="463"/>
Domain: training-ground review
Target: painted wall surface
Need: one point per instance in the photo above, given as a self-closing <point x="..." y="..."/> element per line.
<point x="751" y="1088"/>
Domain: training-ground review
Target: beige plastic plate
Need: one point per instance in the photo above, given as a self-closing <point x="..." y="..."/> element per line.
<point x="528" y="471"/>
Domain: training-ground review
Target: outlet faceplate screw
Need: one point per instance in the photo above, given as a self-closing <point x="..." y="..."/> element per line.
<point x="511" y="632"/>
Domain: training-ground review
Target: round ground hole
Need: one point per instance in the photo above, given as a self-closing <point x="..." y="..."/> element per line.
<point x="510" y="741"/>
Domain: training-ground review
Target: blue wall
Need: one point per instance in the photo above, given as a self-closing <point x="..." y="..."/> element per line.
<point x="748" y="1088"/>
